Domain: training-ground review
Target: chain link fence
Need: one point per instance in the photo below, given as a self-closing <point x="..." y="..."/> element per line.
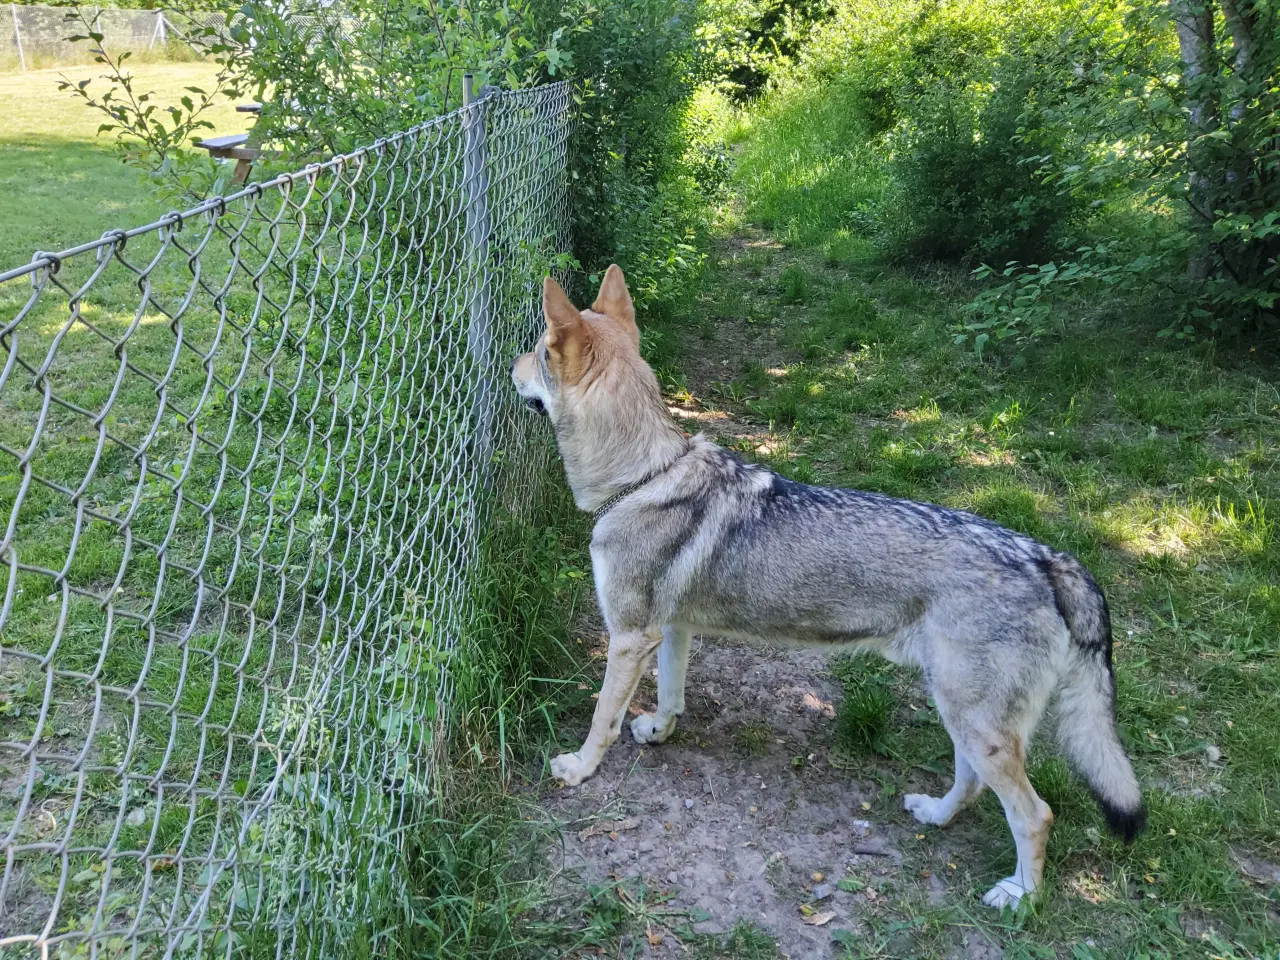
<point x="247" y="457"/>
<point x="37" y="35"/>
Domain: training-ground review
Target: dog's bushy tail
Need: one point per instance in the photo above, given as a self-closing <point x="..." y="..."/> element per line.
<point x="1087" y="699"/>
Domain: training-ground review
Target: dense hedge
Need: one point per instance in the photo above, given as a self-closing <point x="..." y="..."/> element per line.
<point x="1134" y="146"/>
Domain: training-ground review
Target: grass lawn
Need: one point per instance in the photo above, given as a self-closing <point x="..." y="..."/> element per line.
<point x="63" y="183"/>
<point x="1154" y="461"/>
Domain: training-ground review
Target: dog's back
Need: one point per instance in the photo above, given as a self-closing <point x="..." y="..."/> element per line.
<point x="736" y="547"/>
<point x="688" y="537"/>
<point x="996" y="620"/>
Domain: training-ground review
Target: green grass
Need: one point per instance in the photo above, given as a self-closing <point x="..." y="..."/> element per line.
<point x="810" y="176"/>
<point x="1156" y="462"/>
<point x="63" y="183"/>
<point x="754" y="737"/>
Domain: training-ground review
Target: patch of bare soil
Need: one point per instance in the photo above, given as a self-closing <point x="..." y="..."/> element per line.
<point x="741" y="815"/>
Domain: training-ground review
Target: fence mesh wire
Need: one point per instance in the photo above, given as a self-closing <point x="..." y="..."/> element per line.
<point x="246" y="457"/>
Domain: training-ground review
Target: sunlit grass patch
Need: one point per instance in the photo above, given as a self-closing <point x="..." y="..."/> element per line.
<point x="1016" y="505"/>
<point x="1196" y="531"/>
<point x="64" y="183"/>
<point x="806" y="187"/>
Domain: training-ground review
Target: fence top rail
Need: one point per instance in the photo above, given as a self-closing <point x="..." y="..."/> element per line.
<point x="284" y="181"/>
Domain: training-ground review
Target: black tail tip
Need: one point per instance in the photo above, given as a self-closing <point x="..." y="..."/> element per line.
<point x="1125" y="824"/>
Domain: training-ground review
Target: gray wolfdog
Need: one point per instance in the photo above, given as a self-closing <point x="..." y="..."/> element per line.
<point x="690" y="539"/>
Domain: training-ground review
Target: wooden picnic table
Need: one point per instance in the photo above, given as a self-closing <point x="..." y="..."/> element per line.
<point x="243" y="148"/>
<point x="240" y="147"/>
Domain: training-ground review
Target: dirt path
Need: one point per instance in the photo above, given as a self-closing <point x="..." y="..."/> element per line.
<point x="747" y="816"/>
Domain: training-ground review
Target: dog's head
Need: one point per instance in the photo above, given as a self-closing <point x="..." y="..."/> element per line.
<point x="585" y="356"/>
<point x="586" y="374"/>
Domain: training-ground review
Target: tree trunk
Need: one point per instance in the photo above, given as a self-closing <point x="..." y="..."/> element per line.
<point x="1242" y="21"/>
<point x="1194" y="22"/>
<point x="1241" y="17"/>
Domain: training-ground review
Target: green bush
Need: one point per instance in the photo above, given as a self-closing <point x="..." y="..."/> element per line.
<point x="747" y="42"/>
<point x="957" y="98"/>
<point x="972" y="174"/>
<point x="1096" y="142"/>
<point x="645" y="160"/>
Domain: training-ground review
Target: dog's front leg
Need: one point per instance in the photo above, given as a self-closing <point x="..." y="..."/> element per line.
<point x="673" y="662"/>
<point x="627" y="655"/>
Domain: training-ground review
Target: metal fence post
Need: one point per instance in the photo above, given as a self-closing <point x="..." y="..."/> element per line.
<point x="475" y="115"/>
<point x="159" y="32"/>
<point x="17" y="37"/>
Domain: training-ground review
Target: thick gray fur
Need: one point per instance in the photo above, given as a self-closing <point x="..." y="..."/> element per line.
<point x="997" y="621"/>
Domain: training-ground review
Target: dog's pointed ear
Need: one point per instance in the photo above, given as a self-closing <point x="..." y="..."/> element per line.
<point x="566" y="330"/>
<point x="614" y="301"/>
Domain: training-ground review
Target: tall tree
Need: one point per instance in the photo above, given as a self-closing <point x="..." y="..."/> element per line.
<point x="1194" y="20"/>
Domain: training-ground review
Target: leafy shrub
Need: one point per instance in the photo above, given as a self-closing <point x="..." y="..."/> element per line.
<point x="645" y="163"/>
<point x="647" y="159"/>
<point x="328" y="81"/>
<point x="746" y="42"/>
<point x="973" y="172"/>
<point x="959" y="98"/>
<point x="1022" y="300"/>
<point x="1015" y="131"/>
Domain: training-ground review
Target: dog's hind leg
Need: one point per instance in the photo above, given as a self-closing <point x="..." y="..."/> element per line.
<point x="997" y="758"/>
<point x="627" y="655"/>
<point x="673" y="662"/>
<point x="942" y="810"/>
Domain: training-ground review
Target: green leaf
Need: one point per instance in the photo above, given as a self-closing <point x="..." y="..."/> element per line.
<point x="935" y="766"/>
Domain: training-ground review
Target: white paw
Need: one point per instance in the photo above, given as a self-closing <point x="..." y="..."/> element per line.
<point x="570" y="768"/>
<point x="645" y="729"/>
<point x="1007" y="893"/>
<point x="922" y="806"/>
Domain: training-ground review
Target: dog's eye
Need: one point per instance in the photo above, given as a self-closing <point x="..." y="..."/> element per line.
<point x="536" y="405"/>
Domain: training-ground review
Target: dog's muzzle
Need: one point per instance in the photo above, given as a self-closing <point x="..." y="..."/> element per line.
<point x="536" y="405"/>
